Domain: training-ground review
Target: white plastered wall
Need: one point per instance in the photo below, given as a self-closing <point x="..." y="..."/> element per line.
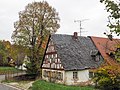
<point x="83" y="76"/>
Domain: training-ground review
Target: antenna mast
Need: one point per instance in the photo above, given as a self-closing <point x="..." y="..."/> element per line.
<point x="80" y="21"/>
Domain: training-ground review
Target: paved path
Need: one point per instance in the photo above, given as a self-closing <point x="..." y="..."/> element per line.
<point x="7" y="87"/>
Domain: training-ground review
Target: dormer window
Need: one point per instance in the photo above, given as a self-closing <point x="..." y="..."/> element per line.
<point x="95" y="55"/>
<point x="97" y="58"/>
<point x="94" y="52"/>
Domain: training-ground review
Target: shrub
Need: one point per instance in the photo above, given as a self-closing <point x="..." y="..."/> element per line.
<point x="107" y="78"/>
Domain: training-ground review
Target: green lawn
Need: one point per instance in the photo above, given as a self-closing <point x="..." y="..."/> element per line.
<point x="4" y="70"/>
<point x="43" y="85"/>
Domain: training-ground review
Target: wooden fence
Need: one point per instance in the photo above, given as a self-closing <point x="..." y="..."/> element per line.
<point x="10" y="74"/>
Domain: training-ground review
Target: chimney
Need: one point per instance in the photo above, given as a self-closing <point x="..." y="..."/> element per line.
<point x="75" y="36"/>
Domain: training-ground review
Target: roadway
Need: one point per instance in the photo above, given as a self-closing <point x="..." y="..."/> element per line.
<point x="7" y="87"/>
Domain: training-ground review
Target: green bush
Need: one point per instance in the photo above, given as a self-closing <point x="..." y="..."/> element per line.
<point x="107" y="78"/>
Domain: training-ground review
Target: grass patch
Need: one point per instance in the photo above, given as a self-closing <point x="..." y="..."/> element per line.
<point x="4" y="70"/>
<point x="8" y="69"/>
<point x="43" y="85"/>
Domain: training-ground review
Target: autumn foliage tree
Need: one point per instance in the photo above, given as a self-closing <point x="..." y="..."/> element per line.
<point x="32" y="30"/>
<point x="3" y="54"/>
<point x="6" y="53"/>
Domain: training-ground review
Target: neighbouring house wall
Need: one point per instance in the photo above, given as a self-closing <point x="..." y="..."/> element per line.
<point x="56" y="76"/>
<point x="83" y="76"/>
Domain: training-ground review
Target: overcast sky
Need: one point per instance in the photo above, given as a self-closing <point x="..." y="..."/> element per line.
<point x="69" y="10"/>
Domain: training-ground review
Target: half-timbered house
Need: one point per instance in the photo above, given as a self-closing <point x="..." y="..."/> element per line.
<point x="69" y="58"/>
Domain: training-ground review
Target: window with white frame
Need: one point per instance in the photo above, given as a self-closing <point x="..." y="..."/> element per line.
<point x="45" y="73"/>
<point x="75" y="75"/>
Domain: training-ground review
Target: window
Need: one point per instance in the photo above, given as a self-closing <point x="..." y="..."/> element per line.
<point x="45" y="73"/>
<point x="56" y="55"/>
<point x="52" y="48"/>
<point x="58" y="66"/>
<point x="46" y="56"/>
<point x="97" y="58"/>
<point x="93" y="57"/>
<point x="75" y="75"/>
<point x="60" y="76"/>
<point x="91" y="74"/>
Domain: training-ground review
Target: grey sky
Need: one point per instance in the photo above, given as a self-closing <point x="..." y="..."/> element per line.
<point x="69" y="10"/>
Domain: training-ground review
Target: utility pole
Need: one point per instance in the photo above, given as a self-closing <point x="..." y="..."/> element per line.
<point x="80" y="21"/>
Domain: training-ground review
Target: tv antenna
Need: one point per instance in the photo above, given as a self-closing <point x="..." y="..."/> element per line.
<point x="80" y="21"/>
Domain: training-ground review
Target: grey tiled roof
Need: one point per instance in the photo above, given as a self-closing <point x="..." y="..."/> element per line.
<point x="75" y="54"/>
